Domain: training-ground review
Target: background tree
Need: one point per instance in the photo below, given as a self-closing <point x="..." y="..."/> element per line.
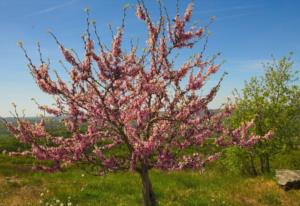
<point x="142" y="103"/>
<point x="273" y="101"/>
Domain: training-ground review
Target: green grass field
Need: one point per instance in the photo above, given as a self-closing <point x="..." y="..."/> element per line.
<point x="74" y="186"/>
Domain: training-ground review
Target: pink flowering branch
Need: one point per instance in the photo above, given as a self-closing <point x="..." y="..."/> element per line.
<point x="149" y="109"/>
<point x="153" y="110"/>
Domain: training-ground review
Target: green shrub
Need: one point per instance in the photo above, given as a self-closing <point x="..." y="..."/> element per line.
<point x="237" y="161"/>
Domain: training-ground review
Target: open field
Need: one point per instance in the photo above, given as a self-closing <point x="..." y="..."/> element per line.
<point x="146" y="103"/>
<point x="21" y="186"/>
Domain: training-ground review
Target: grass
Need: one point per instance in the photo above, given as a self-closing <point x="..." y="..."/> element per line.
<point x="21" y="186"/>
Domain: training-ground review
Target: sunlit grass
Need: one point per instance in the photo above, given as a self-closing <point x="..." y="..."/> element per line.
<point x="21" y="186"/>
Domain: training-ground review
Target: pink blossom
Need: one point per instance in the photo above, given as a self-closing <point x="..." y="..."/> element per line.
<point x="140" y="13"/>
<point x="133" y="100"/>
<point x="68" y="56"/>
<point x="116" y="46"/>
<point x="188" y="12"/>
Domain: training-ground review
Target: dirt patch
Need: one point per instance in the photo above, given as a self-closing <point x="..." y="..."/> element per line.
<point x="13" y="193"/>
<point x="262" y="192"/>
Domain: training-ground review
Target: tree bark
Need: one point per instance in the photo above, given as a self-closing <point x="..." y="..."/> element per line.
<point x="265" y="163"/>
<point x="148" y="193"/>
<point x="252" y="168"/>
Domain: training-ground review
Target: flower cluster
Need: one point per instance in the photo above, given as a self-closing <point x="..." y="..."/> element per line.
<point x="132" y="100"/>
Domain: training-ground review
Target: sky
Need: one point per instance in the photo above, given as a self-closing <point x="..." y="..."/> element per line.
<point x="246" y="32"/>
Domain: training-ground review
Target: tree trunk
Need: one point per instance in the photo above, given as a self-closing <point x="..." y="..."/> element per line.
<point x="265" y="163"/>
<point x="252" y="168"/>
<point x="148" y="193"/>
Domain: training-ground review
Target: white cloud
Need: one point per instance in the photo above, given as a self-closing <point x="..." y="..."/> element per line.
<point x="233" y="11"/>
<point x="246" y="65"/>
<point x="233" y="8"/>
<point x="53" y="8"/>
<point x="227" y="17"/>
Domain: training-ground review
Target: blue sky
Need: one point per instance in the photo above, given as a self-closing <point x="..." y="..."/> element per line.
<point x="246" y="32"/>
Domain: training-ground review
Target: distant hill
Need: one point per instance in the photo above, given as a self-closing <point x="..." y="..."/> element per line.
<point x="4" y="132"/>
<point x="53" y="122"/>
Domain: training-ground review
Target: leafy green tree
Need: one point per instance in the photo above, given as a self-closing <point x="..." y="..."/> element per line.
<point x="273" y="102"/>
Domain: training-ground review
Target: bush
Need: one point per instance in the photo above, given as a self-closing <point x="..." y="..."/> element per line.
<point x="237" y="161"/>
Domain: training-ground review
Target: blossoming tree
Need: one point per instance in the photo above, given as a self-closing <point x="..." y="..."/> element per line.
<point x="141" y="101"/>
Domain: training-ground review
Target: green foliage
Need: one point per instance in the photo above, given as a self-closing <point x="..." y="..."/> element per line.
<point x="288" y="159"/>
<point x="9" y="144"/>
<point x="237" y="161"/>
<point x="273" y="102"/>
